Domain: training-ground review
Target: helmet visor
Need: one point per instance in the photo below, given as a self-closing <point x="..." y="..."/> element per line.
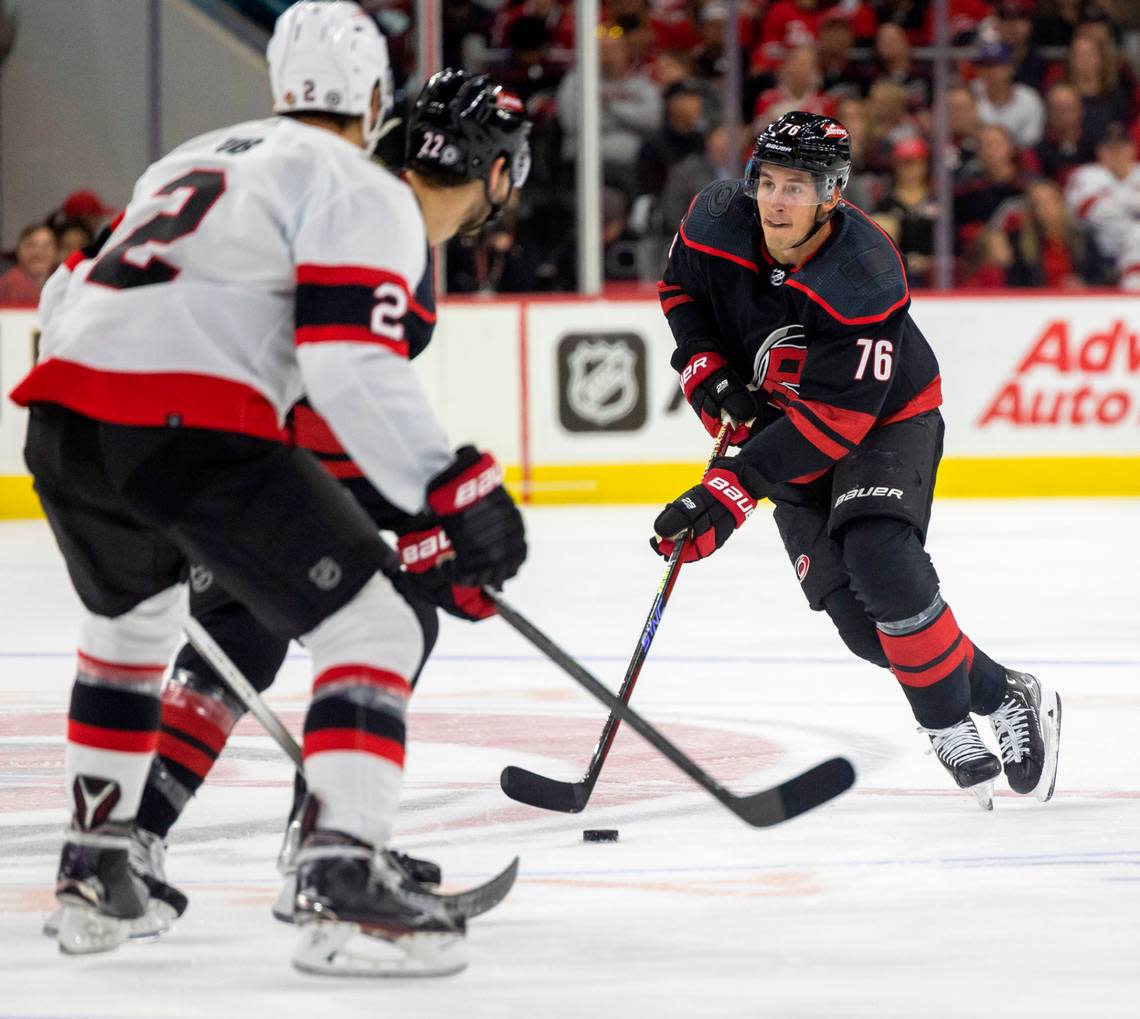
<point x="775" y="185"/>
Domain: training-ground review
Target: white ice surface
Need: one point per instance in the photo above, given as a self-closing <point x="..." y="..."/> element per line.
<point x="900" y="899"/>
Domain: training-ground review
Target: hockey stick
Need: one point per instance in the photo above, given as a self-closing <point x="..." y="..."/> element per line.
<point x="571" y="797"/>
<point x="767" y="807"/>
<point x="243" y="689"/>
<point x="468" y="903"/>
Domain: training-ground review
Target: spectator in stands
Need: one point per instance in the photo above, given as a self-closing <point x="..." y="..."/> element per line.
<point x="840" y="76"/>
<point x="912" y="208"/>
<point x="1015" y="28"/>
<point x="682" y="134"/>
<point x="619" y="246"/>
<point x="35" y="261"/>
<point x="71" y="235"/>
<point x="87" y="207"/>
<point x="1094" y="71"/>
<point x="1047" y="247"/>
<point x="631" y="110"/>
<point x="788" y="25"/>
<point x="887" y="123"/>
<point x="527" y="69"/>
<point x="893" y="63"/>
<point x="864" y="189"/>
<point x="692" y="173"/>
<point x="1066" y="144"/>
<point x="797" y="88"/>
<point x="965" y="123"/>
<point x="989" y="258"/>
<point x="997" y="181"/>
<point x="1057" y="21"/>
<point x="1001" y="100"/>
<point x="1105" y="196"/>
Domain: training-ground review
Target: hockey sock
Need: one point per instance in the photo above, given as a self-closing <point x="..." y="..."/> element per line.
<point x="354" y="728"/>
<point x="198" y="715"/>
<point x="113" y="720"/>
<point x="987" y="683"/>
<point x="931" y="658"/>
<point x="112" y="730"/>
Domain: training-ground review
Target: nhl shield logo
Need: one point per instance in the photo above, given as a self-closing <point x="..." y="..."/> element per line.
<point x="602" y="382"/>
<point x="778" y="276"/>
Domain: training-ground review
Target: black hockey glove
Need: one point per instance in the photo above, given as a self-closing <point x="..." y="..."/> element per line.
<point x="423" y="548"/>
<point x="711" y="511"/>
<point x="481" y="520"/>
<point x="715" y="392"/>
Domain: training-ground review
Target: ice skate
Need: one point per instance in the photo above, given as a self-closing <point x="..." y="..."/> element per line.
<point x="98" y="895"/>
<point x="960" y="750"/>
<point x="146" y="859"/>
<point x="362" y="915"/>
<point x="1027" y="724"/>
<point x="426" y="873"/>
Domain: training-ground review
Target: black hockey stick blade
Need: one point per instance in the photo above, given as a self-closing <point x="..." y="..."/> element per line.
<point x="767" y="807"/>
<point x="482" y="898"/>
<point x="797" y="795"/>
<point x="547" y="793"/>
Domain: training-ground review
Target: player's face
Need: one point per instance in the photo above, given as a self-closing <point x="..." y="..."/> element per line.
<point x="498" y="187"/>
<point x="787" y="201"/>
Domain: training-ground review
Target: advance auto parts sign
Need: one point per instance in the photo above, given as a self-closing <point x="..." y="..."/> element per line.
<point x="1073" y="378"/>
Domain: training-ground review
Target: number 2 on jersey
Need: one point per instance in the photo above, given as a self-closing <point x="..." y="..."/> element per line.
<point x="881" y="367"/>
<point x="113" y="270"/>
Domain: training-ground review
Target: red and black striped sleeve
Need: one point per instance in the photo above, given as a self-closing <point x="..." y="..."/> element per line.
<point x="846" y="376"/>
<point x="351" y="304"/>
<point x="682" y="292"/>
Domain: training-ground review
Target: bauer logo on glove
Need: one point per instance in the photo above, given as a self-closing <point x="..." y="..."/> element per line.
<point x="707" y="514"/>
<point x="715" y="392"/>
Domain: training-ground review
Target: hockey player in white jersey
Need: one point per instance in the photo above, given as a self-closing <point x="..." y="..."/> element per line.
<point x="1105" y="196"/>
<point x="251" y="265"/>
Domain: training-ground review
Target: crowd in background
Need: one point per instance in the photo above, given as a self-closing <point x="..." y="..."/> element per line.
<point x="1043" y="109"/>
<point x="1039" y="91"/>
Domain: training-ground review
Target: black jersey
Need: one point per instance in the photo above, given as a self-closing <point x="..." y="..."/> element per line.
<point x="830" y="342"/>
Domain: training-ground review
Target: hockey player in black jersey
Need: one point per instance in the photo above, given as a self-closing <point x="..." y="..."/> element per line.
<point x="790" y="309"/>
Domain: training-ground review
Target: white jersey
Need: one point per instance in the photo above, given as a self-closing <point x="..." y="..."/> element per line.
<point x="1111" y="207"/>
<point x="252" y="265"/>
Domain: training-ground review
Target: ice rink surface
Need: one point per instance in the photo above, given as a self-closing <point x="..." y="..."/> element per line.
<point x="901" y="898"/>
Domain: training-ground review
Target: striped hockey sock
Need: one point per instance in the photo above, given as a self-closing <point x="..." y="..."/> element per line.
<point x="354" y="748"/>
<point x="931" y="658"/>
<point x="112" y="731"/>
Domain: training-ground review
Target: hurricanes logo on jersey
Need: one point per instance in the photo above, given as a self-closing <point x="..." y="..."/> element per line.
<point x="780" y="361"/>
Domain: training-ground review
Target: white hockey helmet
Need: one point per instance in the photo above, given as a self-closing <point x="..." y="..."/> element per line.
<point x="328" y="56"/>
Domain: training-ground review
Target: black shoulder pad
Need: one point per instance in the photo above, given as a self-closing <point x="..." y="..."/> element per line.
<point x="720" y="222"/>
<point x="860" y="278"/>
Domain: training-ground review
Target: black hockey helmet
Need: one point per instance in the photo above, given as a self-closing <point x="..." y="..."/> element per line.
<point x="463" y="122"/>
<point x="816" y="144"/>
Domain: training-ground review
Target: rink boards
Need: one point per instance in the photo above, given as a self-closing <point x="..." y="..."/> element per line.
<point x="1042" y="395"/>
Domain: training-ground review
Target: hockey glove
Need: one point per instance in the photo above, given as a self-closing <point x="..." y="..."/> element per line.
<point x="480" y="518"/>
<point x="711" y="511"/>
<point x="422" y="551"/>
<point x="715" y="392"/>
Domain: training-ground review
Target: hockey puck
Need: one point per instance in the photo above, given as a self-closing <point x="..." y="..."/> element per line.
<point x="600" y="835"/>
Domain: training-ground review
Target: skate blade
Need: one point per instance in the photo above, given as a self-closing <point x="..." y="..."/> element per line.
<point x="984" y="794"/>
<point x="343" y="949"/>
<point x="159" y="920"/>
<point x="83" y="930"/>
<point x="1051" y="738"/>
